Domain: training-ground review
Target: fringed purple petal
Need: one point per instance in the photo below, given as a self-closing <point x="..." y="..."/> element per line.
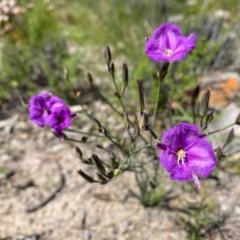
<point x="186" y="154"/>
<point x="47" y="109"/>
<point x="168" y="44"/>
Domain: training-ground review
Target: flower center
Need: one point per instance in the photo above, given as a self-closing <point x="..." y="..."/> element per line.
<point x="181" y="156"/>
<point x="168" y="52"/>
<point x="45" y="111"/>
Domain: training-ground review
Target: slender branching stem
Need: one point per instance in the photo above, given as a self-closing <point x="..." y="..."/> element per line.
<point x="109" y="137"/>
<point x="140" y="149"/>
<point x="82" y="132"/>
<point x="156" y="103"/>
<point x="221" y="129"/>
<point x="110" y="104"/>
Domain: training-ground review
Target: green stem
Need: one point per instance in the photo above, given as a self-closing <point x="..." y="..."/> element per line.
<point x="118" y="93"/>
<point x="141" y="165"/>
<point x="110" y="104"/>
<point x="221" y="129"/>
<point x="84" y="133"/>
<point x="156" y="103"/>
<point x="115" y="143"/>
<point x="140" y="149"/>
<point x="125" y="116"/>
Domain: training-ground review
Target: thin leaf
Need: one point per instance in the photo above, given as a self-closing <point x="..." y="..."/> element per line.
<point x="90" y="79"/>
<point x="79" y="152"/>
<point x="237" y="121"/>
<point x="229" y="138"/>
<point x="125" y="77"/>
<point x="141" y="96"/>
<point x="102" y="179"/>
<point x="219" y="154"/>
<point x="86" y="176"/>
<point x="97" y="124"/>
<point x="205" y="103"/>
<point x="112" y="70"/>
<point x="195" y="96"/>
<point x="209" y="118"/>
<point x="98" y="164"/>
<point x="108" y="55"/>
<point x="145" y="121"/>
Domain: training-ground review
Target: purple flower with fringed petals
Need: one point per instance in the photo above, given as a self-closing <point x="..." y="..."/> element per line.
<point x="168" y="44"/>
<point x="186" y="154"/>
<point x="60" y="117"/>
<point x="38" y="109"/>
<point x="46" y="109"/>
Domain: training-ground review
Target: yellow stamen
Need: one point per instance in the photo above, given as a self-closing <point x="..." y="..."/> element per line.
<point x="181" y="156"/>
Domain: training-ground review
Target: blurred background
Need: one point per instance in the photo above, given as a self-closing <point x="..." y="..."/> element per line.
<point x="53" y="44"/>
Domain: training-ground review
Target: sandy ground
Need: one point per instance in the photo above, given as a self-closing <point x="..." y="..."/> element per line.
<point x="36" y="168"/>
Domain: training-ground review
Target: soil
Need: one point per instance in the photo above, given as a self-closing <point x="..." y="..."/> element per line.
<point x="35" y="164"/>
<point x="43" y="197"/>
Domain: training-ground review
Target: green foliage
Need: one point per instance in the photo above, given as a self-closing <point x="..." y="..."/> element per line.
<point x="199" y="220"/>
<point x="150" y="194"/>
<point x="35" y="55"/>
<point x="92" y="25"/>
<point x="41" y="23"/>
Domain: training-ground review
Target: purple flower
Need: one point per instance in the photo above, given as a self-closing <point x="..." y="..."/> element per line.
<point x="60" y="117"/>
<point x="186" y="154"/>
<point x="38" y="109"/>
<point x="168" y="44"/>
<point x="46" y="109"/>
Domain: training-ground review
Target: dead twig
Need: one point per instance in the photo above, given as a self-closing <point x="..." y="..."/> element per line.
<point x="52" y="195"/>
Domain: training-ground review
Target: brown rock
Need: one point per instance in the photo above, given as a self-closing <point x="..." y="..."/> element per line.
<point x="224" y="87"/>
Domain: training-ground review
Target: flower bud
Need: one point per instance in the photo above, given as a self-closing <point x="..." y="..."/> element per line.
<point x="108" y="55"/>
<point x="125" y="77"/>
<point x="116" y="172"/>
